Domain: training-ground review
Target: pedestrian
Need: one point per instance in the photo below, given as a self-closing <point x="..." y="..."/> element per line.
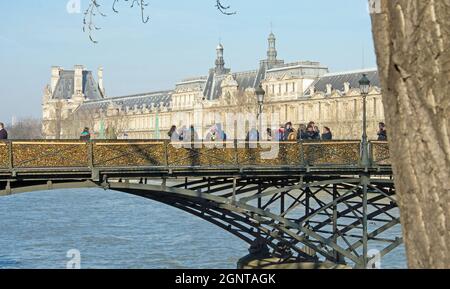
<point x="182" y="134"/>
<point x="281" y="131"/>
<point x="269" y="134"/>
<point x="85" y="134"/>
<point x="214" y="134"/>
<point x="3" y="132"/>
<point x="327" y="135"/>
<point x="173" y="135"/>
<point x="316" y="133"/>
<point x="221" y="133"/>
<point x="301" y="134"/>
<point x="289" y="132"/>
<point x="310" y="133"/>
<point x="382" y="132"/>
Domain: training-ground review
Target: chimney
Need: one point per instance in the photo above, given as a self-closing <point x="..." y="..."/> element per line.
<point x="78" y="80"/>
<point x="56" y="70"/>
<point x="329" y="88"/>
<point x="100" y="81"/>
<point x="346" y="87"/>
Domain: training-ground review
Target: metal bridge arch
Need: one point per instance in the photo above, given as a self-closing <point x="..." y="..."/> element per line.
<point x="262" y="211"/>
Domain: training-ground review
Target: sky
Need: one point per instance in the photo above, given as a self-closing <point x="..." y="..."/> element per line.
<point x="178" y="42"/>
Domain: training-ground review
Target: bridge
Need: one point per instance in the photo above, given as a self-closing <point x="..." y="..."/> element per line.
<point x="291" y="202"/>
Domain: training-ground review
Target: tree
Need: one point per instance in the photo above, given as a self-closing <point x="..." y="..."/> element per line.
<point x="27" y="128"/>
<point x="94" y="9"/>
<point x="412" y="40"/>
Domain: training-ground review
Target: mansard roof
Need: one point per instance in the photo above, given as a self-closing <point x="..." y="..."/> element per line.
<point x="162" y="98"/>
<point x="337" y="80"/>
<point x="245" y="80"/>
<point x="65" y="87"/>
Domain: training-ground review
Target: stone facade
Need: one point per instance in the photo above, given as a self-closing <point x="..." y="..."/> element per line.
<point x="299" y="92"/>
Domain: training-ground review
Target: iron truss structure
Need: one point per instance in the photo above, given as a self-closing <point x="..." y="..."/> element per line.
<point x="317" y="205"/>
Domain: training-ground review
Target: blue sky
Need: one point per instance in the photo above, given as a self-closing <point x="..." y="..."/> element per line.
<point x="178" y="42"/>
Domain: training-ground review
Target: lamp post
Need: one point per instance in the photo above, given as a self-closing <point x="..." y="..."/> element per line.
<point x="260" y="93"/>
<point x="364" y="85"/>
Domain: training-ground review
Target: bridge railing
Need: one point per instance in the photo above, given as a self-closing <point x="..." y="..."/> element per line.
<point x="162" y="153"/>
<point x="4" y="155"/>
<point x="379" y="151"/>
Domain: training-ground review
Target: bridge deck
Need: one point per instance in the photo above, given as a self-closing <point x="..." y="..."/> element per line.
<point x="159" y="157"/>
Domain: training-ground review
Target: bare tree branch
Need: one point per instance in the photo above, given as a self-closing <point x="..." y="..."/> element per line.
<point x="94" y="6"/>
<point x="224" y="9"/>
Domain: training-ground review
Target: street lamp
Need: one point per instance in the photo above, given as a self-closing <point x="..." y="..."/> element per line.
<point x="364" y="85"/>
<point x="260" y="93"/>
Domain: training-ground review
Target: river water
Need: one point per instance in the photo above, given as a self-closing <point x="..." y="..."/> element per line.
<point x="115" y="230"/>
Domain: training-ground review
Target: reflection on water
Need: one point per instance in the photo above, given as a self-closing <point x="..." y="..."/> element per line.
<point x="115" y="230"/>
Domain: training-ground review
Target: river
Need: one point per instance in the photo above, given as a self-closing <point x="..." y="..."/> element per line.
<point x="115" y="230"/>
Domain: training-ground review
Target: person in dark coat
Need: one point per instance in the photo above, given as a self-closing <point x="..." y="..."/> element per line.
<point x="311" y="133"/>
<point x="85" y="135"/>
<point x="288" y="129"/>
<point x="269" y="134"/>
<point x="327" y="135"/>
<point x="316" y="133"/>
<point x="3" y="132"/>
<point x="382" y="132"/>
<point x="301" y="133"/>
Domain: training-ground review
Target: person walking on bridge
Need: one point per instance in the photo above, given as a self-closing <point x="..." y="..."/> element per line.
<point x="327" y="135"/>
<point x="301" y="133"/>
<point x="173" y="134"/>
<point x="382" y="132"/>
<point x="289" y="132"/>
<point x="85" y="134"/>
<point x="3" y="132"/>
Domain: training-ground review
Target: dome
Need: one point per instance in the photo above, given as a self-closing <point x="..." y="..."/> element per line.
<point x="219" y="47"/>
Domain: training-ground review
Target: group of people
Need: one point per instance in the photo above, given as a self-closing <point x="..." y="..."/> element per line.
<point x="183" y="134"/>
<point x="285" y="133"/>
<point x="305" y="132"/>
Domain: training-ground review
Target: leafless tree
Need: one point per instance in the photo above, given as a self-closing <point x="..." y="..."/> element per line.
<point x="27" y="128"/>
<point x="94" y="9"/>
